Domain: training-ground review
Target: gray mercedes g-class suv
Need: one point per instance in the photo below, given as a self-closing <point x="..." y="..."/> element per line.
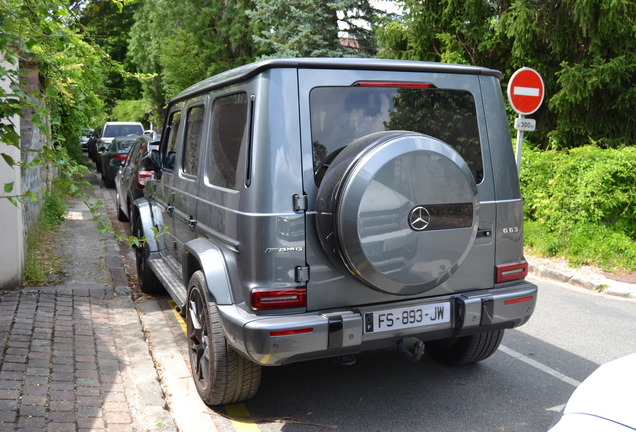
<point x="311" y="208"/>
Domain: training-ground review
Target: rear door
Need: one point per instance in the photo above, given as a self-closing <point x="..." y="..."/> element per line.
<point x="340" y="106"/>
<point x="187" y="177"/>
<point x="164" y="191"/>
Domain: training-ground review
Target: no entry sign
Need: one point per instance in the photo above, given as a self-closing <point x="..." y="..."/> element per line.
<point x="525" y="91"/>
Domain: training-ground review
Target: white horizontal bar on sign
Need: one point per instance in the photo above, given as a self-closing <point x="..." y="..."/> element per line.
<point x="525" y="91"/>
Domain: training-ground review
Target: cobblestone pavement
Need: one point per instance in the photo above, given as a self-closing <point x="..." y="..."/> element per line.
<point x="73" y="356"/>
<point x="63" y="368"/>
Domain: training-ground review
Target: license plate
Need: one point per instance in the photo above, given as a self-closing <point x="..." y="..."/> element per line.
<point x="406" y="317"/>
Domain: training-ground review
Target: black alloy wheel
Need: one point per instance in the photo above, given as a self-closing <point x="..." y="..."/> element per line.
<point x="220" y="374"/>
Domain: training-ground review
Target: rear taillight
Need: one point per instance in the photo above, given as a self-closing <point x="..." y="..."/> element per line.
<point x="513" y="271"/>
<point x="141" y="177"/>
<point x="120" y="157"/>
<point x="279" y="299"/>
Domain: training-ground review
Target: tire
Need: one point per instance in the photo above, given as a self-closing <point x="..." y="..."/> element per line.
<point x="108" y="183"/>
<point x="121" y="216"/>
<point x="465" y="350"/>
<point x="148" y="281"/>
<point x="221" y="375"/>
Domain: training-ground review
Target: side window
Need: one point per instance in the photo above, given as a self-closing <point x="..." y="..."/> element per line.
<point x="229" y="118"/>
<point x="173" y="132"/>
<point x="194" y="127"/>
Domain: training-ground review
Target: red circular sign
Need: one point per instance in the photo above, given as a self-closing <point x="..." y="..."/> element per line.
<point x="525" y="91"/>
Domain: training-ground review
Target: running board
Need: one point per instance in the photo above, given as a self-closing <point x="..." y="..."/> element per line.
<point x="170" y="280"/>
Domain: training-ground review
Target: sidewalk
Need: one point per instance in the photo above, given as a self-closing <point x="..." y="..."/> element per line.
<point x="74" y="356"/>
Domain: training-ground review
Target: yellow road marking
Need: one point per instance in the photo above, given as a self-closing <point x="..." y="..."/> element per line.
<point x="180" y="320"/>
<point x="244" y="425"/>
<point x="233" y="410"/>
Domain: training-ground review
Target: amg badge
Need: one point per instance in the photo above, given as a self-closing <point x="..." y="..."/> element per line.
<point x="284" y="249"/>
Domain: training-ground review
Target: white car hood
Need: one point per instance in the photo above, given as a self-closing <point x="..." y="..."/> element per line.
<point x="610" y="394"/>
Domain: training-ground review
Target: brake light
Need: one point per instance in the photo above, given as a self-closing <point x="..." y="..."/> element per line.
<point x="121" y="157"/>
<point x="510" y="272"/>
<point x="279" y="299"/>
<point x="141" y="177"/>
<point x="291" y="332"/>
<point x="393" y="84"/>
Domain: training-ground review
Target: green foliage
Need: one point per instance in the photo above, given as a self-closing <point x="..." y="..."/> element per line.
<point x="184" y="42"/>
<point x="40" y="261"/>
<point x="584" y="49"/>
<point x="581" y="204"/>
<point x="108" y="24"/>
<point x="310" y="28"/>
<point x="131" y="110"/>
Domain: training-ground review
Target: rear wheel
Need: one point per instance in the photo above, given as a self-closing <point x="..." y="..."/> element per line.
<point x="465" y="350"/>
<point x="148" y="281"/>
<point x="107" y="182"/>
<point x="121" y="216"/>
<point x="220" y="374"/>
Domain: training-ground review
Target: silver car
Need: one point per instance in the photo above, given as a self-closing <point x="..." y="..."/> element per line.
<point x="327" y="207"/>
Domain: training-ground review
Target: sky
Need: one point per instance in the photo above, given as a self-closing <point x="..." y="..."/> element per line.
<point x="386" y="5"/>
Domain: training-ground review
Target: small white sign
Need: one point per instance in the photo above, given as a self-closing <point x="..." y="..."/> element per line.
<point x="525" y="124"/>
<point x="526" y="91"/>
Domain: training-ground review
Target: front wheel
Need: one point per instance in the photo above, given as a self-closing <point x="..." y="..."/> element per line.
<point x="465" y="350"/>
<point x="221" y="375"/>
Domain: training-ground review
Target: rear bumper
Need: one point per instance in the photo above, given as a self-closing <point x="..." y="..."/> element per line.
<point x="281" y="339"/>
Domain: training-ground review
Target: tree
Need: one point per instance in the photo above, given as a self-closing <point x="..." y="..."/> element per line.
<point x="107" y="24"/>
<point x="313" y="28"/>
<point x="584" y="49"/>
<point x="185" y="42"/>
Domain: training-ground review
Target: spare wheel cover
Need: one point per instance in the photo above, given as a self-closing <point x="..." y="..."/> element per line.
<point x="400" y="210"/>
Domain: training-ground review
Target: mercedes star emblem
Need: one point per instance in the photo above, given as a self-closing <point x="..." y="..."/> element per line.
<point x="419" y="218"/>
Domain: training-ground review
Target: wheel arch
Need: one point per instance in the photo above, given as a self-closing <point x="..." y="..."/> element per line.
<point x="142" y="210"/>
<point x="201" y="254"/>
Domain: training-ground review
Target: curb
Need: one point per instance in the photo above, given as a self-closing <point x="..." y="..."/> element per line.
<point x="597" y="283"/>
<point x="149" y="401"/>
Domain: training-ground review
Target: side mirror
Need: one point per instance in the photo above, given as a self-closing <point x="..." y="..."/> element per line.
<point x="152" y="162"/>
<point x="115" y="162"/>
<point x="101" y="149"/>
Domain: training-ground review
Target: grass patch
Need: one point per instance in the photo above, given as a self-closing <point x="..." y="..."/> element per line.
<point x="41" y="262"/>
<point x="581" y="205"/>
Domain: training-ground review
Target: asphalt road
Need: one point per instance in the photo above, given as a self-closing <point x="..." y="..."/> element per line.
<point x="520" y="388"/>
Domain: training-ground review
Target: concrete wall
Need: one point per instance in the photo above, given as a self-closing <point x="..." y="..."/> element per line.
<point x="12" y="253"/>
<point x="31" y="138"/>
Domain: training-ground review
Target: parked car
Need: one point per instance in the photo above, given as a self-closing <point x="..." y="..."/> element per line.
<point x="92" y="145"/>
<point x="132" y="176"/>
<point x="326" y="207"/>
<point x="85" y="137"/>
<point x="151" y="134"/>
<point x="603" y="402"/>
<point x="118" y="129"/>
<point x="113" y="157"/>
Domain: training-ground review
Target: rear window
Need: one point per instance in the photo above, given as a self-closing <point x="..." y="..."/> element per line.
<point x="112" y="131"/>
<point x="340" y="115"/>
<point x="124" y="145"/>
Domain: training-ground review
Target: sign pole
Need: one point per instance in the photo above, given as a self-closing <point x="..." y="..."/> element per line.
<point x="519" y="146"/>
<point x="525" y="93"/>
